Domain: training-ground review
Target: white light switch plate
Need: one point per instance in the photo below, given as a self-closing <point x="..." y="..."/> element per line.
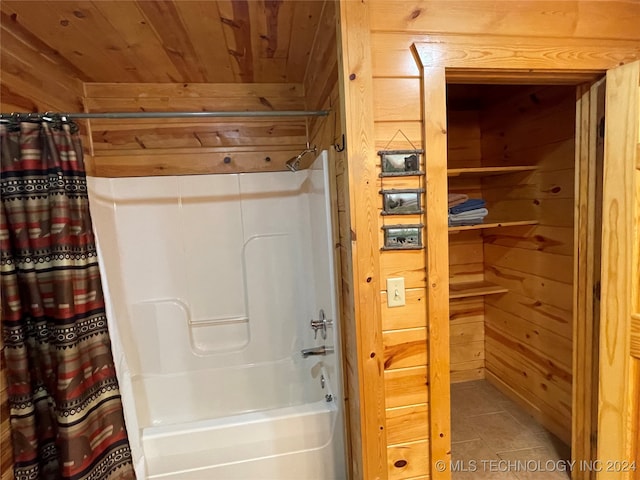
<point x="395" y="292"/>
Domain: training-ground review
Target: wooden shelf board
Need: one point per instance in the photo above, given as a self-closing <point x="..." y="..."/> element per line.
<point x="487" y="171"/>
<point x="474" y="289"/>
<point x="493" y="224"/>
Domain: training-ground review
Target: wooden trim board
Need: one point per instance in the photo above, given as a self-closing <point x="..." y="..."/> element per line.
<point x="356" y="93"/>
<point x="437" y="252"/>
<point x="619" y="371"/>
<point x="497" y="60"/>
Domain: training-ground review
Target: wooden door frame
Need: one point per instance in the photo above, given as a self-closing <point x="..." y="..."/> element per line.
<point x="619" y="385"/>
<point x="503" y="60"/>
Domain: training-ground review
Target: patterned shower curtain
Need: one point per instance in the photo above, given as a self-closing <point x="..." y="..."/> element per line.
<point x="66" y="411"/>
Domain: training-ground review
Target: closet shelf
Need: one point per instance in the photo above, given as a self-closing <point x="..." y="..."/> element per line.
<point x="488" y="171"/>
<point x="474" y="289"/>
<point x="493" y="224"/>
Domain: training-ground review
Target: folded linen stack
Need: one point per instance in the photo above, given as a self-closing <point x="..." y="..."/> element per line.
<point x="457" y="199"/>
<point x="469" y="211"/>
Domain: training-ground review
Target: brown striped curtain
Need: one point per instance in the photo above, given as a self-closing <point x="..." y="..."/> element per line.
<point x="66" y="411"/>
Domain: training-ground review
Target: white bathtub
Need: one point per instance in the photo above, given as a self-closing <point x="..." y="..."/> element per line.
<point x="210" y="284"/>
<point x="272" y="434"/>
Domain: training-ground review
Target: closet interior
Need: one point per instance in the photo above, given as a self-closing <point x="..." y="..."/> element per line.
<point x="511" y="271"/>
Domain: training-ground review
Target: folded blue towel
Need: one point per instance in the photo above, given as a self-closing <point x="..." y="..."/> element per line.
<point x="471" y="204"/>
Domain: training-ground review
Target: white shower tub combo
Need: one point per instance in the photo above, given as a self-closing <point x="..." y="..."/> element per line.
<point x="211" y="282"/>
<point x="277" y="443"/>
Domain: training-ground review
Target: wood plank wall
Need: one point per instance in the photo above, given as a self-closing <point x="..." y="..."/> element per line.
<point x="619" y="386"/>
<point x="397" y="126"/>
<point x="322" y="90"/>
<point x="393" y="27"/>
<point x="368" y="352"/>
<point x="466" y="259"/>
<point x="635" y="316"/>
<point x="635" y="308"/>
<point x="529" y="329"/>
<point x="189" y="146"/>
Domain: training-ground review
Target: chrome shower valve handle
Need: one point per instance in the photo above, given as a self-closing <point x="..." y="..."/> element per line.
<point x="321" y="324"/>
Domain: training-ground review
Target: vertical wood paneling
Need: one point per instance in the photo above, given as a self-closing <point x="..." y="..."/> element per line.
<point x="635" y="317"/>
<point x="465" y="249"/>
<point x="395" y="26"/>
<point x="357" y="95"/>
<point x="435" y="146"/>
<point x="619" y="389"/>
<point x="588" y="235"/>
<point x="531" y="126"/>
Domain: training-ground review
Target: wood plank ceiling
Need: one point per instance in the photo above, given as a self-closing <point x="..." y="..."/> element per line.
<point x="224" y="41"/>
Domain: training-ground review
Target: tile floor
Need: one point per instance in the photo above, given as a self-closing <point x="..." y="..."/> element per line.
<point x="493" y="438"/>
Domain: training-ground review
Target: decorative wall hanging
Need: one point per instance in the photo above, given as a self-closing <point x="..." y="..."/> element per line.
<point x="402" y="237"/>
<point x="397" y="163"/>
<point x="402" y="202"/>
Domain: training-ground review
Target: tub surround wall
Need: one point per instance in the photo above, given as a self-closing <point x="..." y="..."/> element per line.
<point x="212" y="282"/>
<point x="211" y="268"/>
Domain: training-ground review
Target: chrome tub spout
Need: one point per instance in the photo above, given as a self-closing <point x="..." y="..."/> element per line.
<point x="321" y="350"/>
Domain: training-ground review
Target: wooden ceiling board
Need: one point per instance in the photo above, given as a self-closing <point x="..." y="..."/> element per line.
<point x="237" y="31"/>
<point x="202" y="21"/>
<point x="87" y="28"/>
<point x="27" y="69"/>
<point x="154" y="64"/>
<point x="12" y="29"/>
<point x="163" y="17"/>
<point x="190" y="41"/>
<point x="74" y="35"/>
<point x="279" y="20"/>
<point x="304" y="28"/>
<point x="270" y="23"/>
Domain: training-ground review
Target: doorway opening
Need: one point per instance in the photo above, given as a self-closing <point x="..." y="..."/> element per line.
<point x="512" y="250"/>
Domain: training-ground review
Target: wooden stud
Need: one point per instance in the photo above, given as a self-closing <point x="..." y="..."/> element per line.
<point x="590" y="109"/>
<point x="357" y="96"/>
<point x="618" y="388"/>
<point x="437" y="254"/>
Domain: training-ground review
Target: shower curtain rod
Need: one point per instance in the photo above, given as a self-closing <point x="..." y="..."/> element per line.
<point x="124" y="115"/>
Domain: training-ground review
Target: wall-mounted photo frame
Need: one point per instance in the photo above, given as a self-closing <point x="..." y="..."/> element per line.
<point x="402" y="202"/>
<point x="402" y="237"/>
<point x="396" y="163"/>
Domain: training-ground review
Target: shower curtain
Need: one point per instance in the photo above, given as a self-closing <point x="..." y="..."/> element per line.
<point x="66" y="412"/>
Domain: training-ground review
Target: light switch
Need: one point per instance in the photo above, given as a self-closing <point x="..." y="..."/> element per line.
<point x="395" y="292"/>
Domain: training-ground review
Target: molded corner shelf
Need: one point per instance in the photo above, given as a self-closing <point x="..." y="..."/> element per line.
<point x="474" y="289"/>
<point x="488" y="171"/>
<point x="493" y="224"/>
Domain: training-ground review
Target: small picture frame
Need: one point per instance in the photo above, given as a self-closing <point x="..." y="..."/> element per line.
<point x="402" y="237"/>
<point x="396" y="163"/>
<point x="401" y="202"/>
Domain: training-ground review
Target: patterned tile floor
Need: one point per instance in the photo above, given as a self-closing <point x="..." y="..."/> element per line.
<point x="493" y="438"/>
